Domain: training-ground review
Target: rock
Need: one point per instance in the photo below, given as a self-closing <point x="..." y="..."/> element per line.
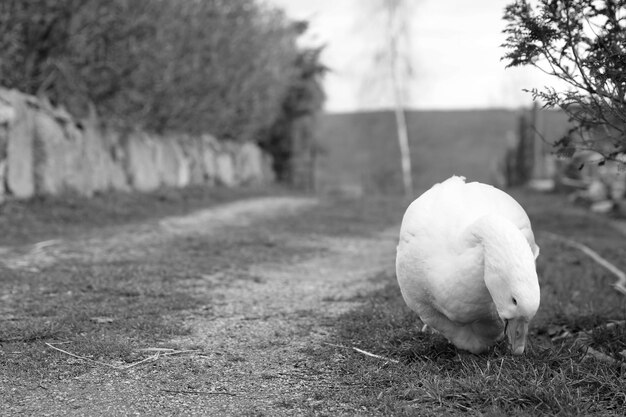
<point x="117" y="176"/>
<point x="210" y="147"/>
<point x="7" y="111"/>
<point x="604" y="206"/>
<point x="165" y="164"/>
<point x="97" y="158"/>
<point x="79" y="160"/>
<point x="249" y="164"/>
<point x="20" y="173"/>
<point x="141" y="167"/>
<point x="173" y="165"/>
<point x="542" y="185"/>
<point x="43" y="150"/>
<point x="183" y="172"/>
<point x="53" y="155"/>
<point x="225" y="169"/>
<point x="192" y="148"/>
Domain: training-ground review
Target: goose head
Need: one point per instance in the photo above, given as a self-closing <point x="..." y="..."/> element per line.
<point x="516" y="304"/>
<point x="510" y="277"/>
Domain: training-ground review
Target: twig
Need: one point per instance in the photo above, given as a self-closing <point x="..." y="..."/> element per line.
<point x="583" y="338"/>
<point x="168" y="351"/>
<point x="597" y="355"/>
<point x="586" y="333"/>
<point x="374" y="355"/>
<point x="84" y="358"/>
<point x="364" y="352"/>
<point x="148" y="359"/>
<point x="620" y="284"/>
<point x="156" y="356"/>
<point x="156" y="349"/>
<point x="174" y="391"/>
<point x="180" y="352"/>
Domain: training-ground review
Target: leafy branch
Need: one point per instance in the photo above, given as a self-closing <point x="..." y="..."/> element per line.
<point x="582" y="43"/>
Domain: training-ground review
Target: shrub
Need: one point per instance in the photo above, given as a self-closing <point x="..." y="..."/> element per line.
<point x="304" y="99"/>
<point x="583" y="43"/>
<point x="214" y="65"/>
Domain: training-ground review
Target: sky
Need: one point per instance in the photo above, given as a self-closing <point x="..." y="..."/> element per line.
<point x="454" y="54"/>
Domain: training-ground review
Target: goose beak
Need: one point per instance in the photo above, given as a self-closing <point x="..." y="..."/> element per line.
<point x="516" y="331"/>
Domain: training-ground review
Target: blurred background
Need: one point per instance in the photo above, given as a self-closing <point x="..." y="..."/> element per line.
<point x="466" y="111"/>
<point x="463" y="107"/>
<point x="343" y="96"/>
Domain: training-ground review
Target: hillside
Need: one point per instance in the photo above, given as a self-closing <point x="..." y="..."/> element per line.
<point x="361" y="150"/>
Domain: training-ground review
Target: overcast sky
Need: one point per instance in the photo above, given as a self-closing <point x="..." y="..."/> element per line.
<point x="454" y="54"/>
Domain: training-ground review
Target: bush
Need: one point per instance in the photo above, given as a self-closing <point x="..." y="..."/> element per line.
<point x="216" y="66"/>
<point x="304" y="99"/>
<point x="583" y="43"/>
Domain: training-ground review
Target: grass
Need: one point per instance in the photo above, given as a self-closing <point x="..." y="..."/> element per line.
<point x="48" y="217"/>
<point x="107" y="310"/>
<point x="103" y="310"/>
<point x="361" y="148"/>
<point x="552" y="378"/>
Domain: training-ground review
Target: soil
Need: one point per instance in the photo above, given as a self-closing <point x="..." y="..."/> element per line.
<point x="249" y="339"/>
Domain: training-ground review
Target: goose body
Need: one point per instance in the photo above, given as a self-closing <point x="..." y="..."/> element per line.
<point x="466" y="264"/>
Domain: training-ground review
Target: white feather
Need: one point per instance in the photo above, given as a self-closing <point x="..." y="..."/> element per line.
<point x="466" y="251"/>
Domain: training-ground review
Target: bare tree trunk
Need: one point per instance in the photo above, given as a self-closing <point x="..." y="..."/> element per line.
<point x="403" y="136"/>
<point x="399" y="107"/>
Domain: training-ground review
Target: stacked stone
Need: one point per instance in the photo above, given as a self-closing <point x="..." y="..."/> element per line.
<point x="44" y="151"/>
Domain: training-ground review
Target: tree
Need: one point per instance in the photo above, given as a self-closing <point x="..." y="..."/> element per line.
<point x="582" y="43"/>
<point x="397" y="33"/>
<point x="303" y="101"/>
<point x="392" y="68"/>
<point x="214" y="66"/>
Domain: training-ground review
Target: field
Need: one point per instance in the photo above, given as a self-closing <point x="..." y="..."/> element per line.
<point x="360" y="150"/>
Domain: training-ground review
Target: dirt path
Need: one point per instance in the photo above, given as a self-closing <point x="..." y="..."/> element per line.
<point x="268" y="325"/>
<point x="253" y="346"/>
<point x="136" y="241"/>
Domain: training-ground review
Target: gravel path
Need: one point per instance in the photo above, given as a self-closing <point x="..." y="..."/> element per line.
<point x="253" y="343"/>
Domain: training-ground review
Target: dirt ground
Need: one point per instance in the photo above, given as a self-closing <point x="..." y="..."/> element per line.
<point x="247" y="341"/>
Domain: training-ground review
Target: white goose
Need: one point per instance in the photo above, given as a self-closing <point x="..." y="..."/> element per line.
<point x="466" y="264"/>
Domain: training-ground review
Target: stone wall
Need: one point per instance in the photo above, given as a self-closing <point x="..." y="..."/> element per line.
<point x="44" y="151"/>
